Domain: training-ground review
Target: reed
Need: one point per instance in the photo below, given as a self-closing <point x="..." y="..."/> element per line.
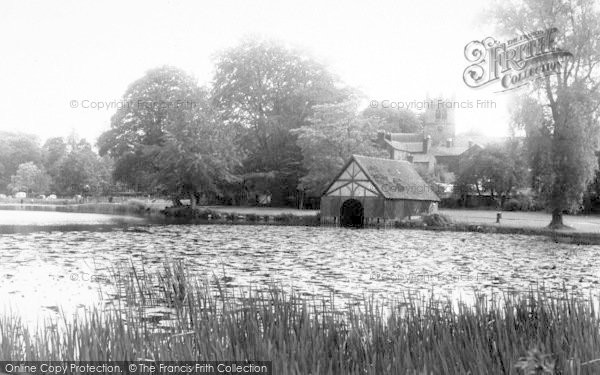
<point x="531" y="333"/>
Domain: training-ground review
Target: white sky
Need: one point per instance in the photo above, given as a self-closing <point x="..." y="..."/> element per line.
<point x="56" y="52"/>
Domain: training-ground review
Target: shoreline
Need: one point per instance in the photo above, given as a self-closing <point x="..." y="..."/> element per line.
<point x="562" y="236"/>
<point x="228" y="216"/>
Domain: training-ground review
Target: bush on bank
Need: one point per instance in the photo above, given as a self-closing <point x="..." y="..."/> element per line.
<point x="208" y="215"/>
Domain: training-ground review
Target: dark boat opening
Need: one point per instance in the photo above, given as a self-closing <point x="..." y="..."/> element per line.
<point x="352" y="214"/>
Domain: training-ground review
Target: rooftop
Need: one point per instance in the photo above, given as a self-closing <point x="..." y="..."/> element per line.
<point x="396" y="179"/>
<point x="406" y="137"/>
<point x="406" y="146"/>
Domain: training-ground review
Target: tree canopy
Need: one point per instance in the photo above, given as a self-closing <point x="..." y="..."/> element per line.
<point x="265" y="90"/>
<point x="566" y="122"/>
<point x="394" y="120"/>
<point x="333" y="134"/>
<point x="29" y="178"/>
<point x="167" y="138"/>
<point x="16" y="149"/>
<point x="497" y="169"/>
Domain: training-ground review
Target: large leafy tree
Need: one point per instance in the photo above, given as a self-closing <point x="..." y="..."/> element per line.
<point x="265" y="90"/>
<point x="332" y="135"/>
<point x="138" y="128"/>
<point x="497" y="169"/>
<point x="80" y="171"/>
<point x="567" y="119"/>
<point x="167" y="138"/>
<point x="30" y="179"/>
<point x="16" y="149"/>
<point x="197" y="154"/>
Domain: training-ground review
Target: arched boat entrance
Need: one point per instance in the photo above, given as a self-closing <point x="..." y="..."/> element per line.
<point x="352" y="214"/>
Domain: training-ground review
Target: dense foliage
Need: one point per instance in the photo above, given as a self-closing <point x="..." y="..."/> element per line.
<point x="167" y="139"/>
<point x="65" y="167"/>
<point x="560" y="113"/>
<point x="266" y="91"/>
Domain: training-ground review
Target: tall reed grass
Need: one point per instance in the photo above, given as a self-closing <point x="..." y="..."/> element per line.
<point x="534" y="333"/>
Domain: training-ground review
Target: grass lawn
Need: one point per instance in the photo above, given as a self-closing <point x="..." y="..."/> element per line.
<point x="537" y="220"/>
<point x="581" y="223"/>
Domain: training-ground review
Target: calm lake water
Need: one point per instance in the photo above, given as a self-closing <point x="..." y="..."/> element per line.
<point x="52" y="261"/>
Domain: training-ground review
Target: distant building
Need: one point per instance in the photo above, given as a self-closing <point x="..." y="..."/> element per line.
<point x="372" y="190"/>
<point x="437" y="144"/>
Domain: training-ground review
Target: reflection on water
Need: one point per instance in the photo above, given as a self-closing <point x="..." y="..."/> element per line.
<point x="22" y="221"/>
<point x="45" y="271"/>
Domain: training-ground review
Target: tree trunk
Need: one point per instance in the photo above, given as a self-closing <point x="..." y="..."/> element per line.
<point x="192" y="200"/>
<point x="557" y="219"/>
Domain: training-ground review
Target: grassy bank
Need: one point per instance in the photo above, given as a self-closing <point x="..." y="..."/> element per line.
<point x="438" y="222"/>
<point x="534" y="332"/>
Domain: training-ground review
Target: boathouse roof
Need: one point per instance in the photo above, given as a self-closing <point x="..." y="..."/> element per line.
<point x="385" y="178"/>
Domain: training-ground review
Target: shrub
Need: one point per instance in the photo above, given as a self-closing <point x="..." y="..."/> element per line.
<point x="523" y="202"/>
<point x="437" y="220"/>
<point x="311" y="220"/>
<point x="513" y="205"/>
<point x="284" y="218"/>
<point x="450" y="203"/>
<point x="204" y="214"/>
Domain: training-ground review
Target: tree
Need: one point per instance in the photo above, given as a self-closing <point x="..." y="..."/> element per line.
<point x="138" y="128"/>
<point x="497" y="169"/>
<point x="75" y="168"/>
<point x="78" y="172"/>
<point x="196" y="155"/>
<point x="334" y="133"/>
<point x="103" y="182"/>
<point x="167" y="138"/>
<point x="265" y="90"/>
<point x="394" y="120"/>
<point x="29" y="178"/>
<point x="16" y="149"/>
<point x="527" y="115"/>
<point x="54" y="151"/>
<point x="569" y="116"/>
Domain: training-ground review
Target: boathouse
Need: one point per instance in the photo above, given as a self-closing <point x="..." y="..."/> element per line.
<point x="371" y="191"/>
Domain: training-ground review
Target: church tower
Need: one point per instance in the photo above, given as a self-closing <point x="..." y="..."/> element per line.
<point x="438" y="120"/>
